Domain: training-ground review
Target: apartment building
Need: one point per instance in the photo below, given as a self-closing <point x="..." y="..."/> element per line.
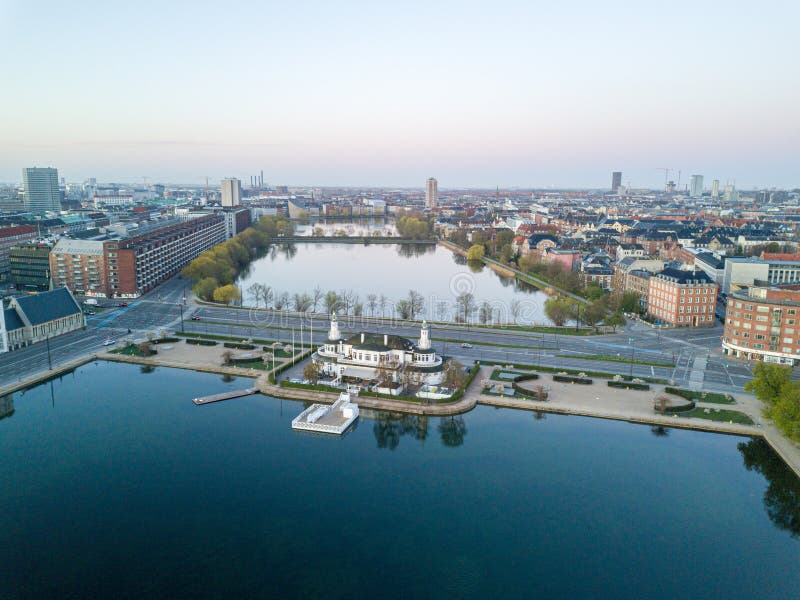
<point x="10" y="237"/>
<point x="132" y="266"/>
<point x="682" y="298"/>
<point x="761" y="323"/>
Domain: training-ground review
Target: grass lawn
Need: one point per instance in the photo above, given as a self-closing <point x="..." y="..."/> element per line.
<point x="615" y="358"/>
<point x="251" y="364"/>
<point x="711" y="397"/>
<point x="129" y="351"/>
<point x="718" y="414"/>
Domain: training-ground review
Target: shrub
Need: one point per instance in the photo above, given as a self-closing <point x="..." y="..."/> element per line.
<point x="568" y="379"/>
<point x="236" y="346"/>
<point x="628" y="385"/>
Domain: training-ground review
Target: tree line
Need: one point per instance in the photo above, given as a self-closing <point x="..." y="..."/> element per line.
<point x="214" y="271"/>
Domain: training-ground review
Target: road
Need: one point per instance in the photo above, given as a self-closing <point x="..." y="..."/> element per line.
<point x="695" y="354"/>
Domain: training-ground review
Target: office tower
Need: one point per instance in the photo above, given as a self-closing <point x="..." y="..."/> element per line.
<point x="431" y="192"/>
<point x="231" y="191"/>
<point x="715" y="189"/>
<point x="696" y="186"/>
<point x="41" y="193"/>
<point x="616" y="181"/>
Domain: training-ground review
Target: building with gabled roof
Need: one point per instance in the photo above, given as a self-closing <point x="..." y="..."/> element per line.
<point x="30" y="319"/>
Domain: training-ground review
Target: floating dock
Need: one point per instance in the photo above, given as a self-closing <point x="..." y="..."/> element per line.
<point x="224" y="396"/>
<point x="323" y="418"/>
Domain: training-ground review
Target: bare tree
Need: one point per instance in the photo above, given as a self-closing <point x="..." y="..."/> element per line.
<point x="372" y="303"/>
<point x="226" y="356"/>
<point x="316" y="296"/>
<point x="382" y="305"/>
<point x="485" y="312"/>
<point x="516" y="308"/>
<point x="282" y="301"/>
<point x="415" y="303"/>
<point x="331" y="302"/>
<point x="254" y="292"/>
<point x="466" y="304"/>
<point x="266" y="294"/>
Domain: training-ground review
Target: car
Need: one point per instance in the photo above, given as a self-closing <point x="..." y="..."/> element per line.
<point x="195" y="318"/>
<point x="122" y="304"/>
<point x="89" y="313"/>
<point x="466" y="345"/>
<point x="295" y="380"/>
<point x="108" y="342"/>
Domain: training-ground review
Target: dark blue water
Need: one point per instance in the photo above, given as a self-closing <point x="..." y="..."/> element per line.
<point x="114" y="484"/>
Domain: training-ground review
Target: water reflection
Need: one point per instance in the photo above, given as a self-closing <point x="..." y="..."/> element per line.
<point x="390" y="427"/>
<point x="782" y="497"/>
<point x="452" y="430"/>
<point x="415" y="250"/>
<point x="6" y="406"/>
<point x="147" y="369"/>
<point x="659" y="431"/>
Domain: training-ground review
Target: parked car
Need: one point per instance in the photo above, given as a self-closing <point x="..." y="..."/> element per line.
<point x="195" y="318"/>
<point x="89" y="312"/>
<point x="122" y="304"/>
<point x="295" y="380"/>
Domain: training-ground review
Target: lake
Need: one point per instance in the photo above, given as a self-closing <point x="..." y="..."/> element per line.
<point x="391" y="270"/>
<point x="115" y="485"/>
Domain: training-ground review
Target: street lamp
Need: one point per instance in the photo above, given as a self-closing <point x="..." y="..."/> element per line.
<point x="632" y="341"/>
<point x="181" y="307"/>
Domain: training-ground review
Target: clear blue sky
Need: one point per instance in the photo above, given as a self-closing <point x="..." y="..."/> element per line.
<point x="389" y="93"/>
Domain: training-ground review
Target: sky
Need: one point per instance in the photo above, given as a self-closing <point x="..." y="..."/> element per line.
<point x="477" y="94"/>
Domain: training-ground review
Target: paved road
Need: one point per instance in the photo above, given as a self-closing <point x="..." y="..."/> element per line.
<point x="695" y="354"/>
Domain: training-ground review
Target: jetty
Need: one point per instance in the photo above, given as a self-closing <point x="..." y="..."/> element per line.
<point x="323" y="418"/>
<point x="224" y="396"/>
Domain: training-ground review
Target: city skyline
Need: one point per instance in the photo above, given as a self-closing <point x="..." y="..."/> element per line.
<point x="361" y="95"/>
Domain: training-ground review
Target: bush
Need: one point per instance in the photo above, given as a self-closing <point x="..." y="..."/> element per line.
<point x="166" y="340"/>
<point x="713" y="397"/>
<point x="236" y="346"/>
<point x="628" y="385"/>
<point x="568" y="379"/>
<point x="201" y="342"/>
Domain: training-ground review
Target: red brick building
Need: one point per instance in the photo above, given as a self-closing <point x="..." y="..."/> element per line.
<point x="761" y="323"/>
<point x="682" y="298"/>
<point x="13" y="236"/>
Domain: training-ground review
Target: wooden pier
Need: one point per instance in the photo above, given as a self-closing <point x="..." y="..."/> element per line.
<point x="224" y="396"/>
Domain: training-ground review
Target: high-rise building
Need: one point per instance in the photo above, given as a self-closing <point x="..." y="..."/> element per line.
<point x="41" y="193"/>
<point x="616" y="181"/>
<point x="715" y="189"/>
<point x="231" y="191"/>
<point x="696" y="186"/>
<point x="431" y="192"/>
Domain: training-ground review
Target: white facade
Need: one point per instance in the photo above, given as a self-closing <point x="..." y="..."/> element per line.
<point x="371" y="356"/>
<point x="231" y="191"/>
<point x="696" y="186"/>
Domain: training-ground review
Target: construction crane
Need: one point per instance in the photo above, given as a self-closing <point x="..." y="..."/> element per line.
<point x="666" y="175"/>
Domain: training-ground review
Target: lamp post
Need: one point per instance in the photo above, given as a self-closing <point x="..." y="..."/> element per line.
<point x="181" y="307"/>
<point x="632" y="341"/>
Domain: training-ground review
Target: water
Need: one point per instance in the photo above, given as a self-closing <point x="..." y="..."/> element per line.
<point x="356" y="227"/>
<point x="115" y="485"/>
<point x="392" y="270"/>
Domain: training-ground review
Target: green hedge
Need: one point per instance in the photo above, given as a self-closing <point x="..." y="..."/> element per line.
<point x="309" y="386"/>
<point x="236" y="346"/>
<point x="201" y="342"/>
<point x="628" y="385"/>
<point x="601" y="374"/>
<point x="568" y="379"/>
<point x="166" y="340"/>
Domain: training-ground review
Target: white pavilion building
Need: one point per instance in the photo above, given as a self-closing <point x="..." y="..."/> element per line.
<point x="371" y="356"/>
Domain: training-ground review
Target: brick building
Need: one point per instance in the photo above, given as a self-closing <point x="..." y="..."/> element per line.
<point x="13" y="236"/>
<point x="129" y="267"/>
<point x="761" y="323"/>
<point x="682" y="298"/>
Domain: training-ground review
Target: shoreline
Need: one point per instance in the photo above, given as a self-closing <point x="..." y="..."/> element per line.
<point x="473" y="395"/>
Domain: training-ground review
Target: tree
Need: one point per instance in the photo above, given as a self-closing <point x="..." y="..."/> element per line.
<point x="226" y="356"/>
<point x="615" y="320"/>
<point x="516" y="308"/>
<point x="466" y="305"/>
<point x="382" y="304"/>
<point x="475" y="252"/>
<point x="403" y="308"/>
<point x="331" y="301"/>
<point x="282" y="301"/>
<point x="415" y="302"/>
<point x="454" y="376"/>
<point x="559" y="309"/>
<point x="485" y="312"/>
<point x="227" y="294"/>
<point x="594" y="291"/>
<point x="595" y="311"/>
<point x="204" y="288"/>
<point x="145" y="348"/>
<point x="316" y="296"/>
<point x="302" y="302"/>
<point x="768" y="382"/>
<point x="786" y="411"/>
<point x="311" y="372"/>
<point x="372" y="303"/>
<point x="630" y="302"/>
<point x="254" y="292"/>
